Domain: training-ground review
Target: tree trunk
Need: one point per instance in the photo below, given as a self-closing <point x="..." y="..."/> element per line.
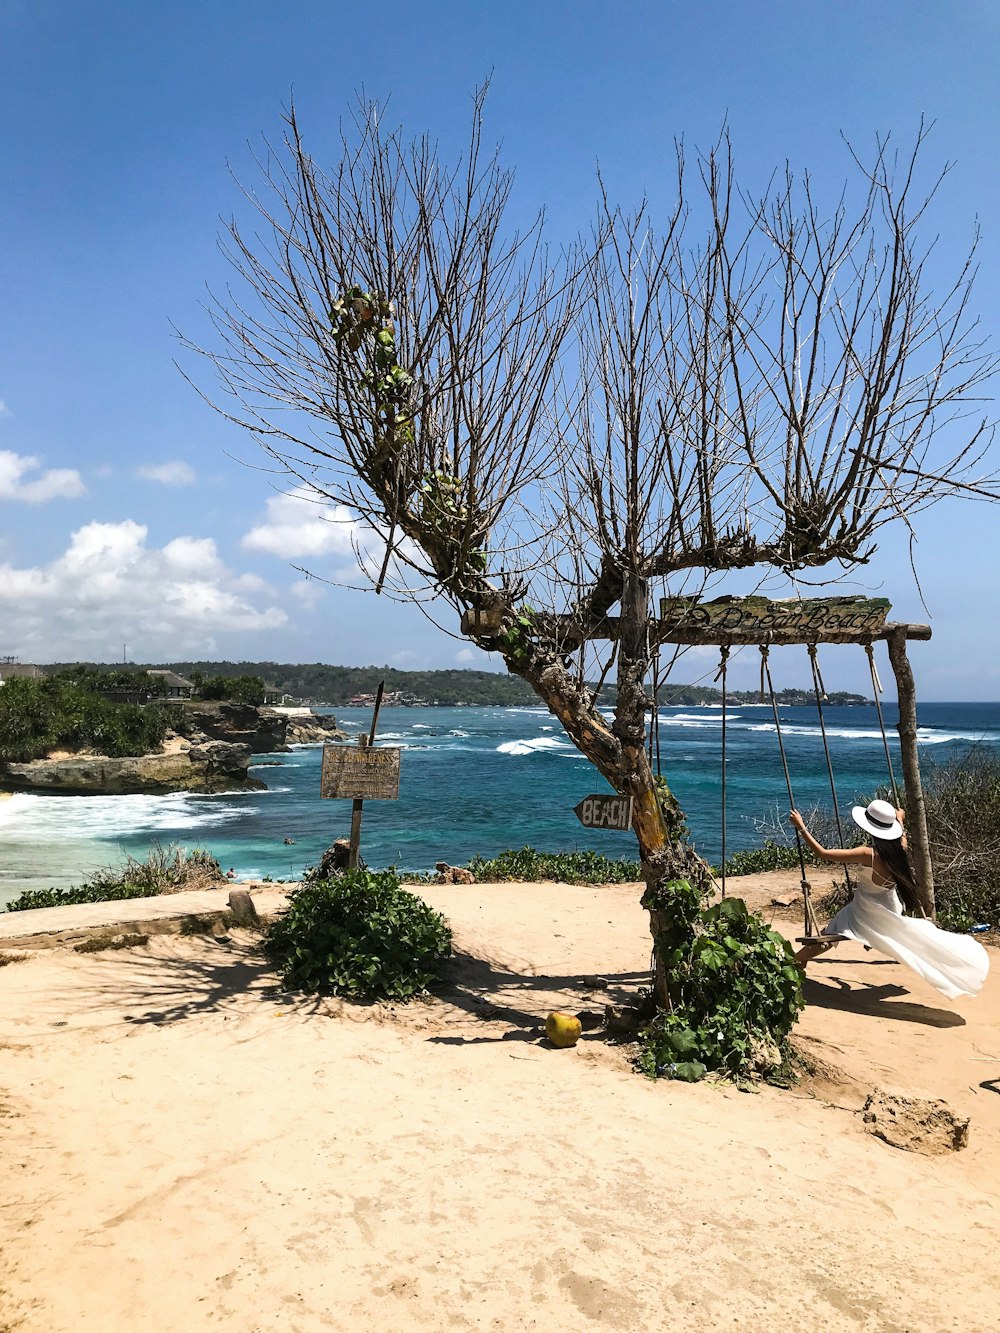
<point x="917" y="836"/>
<point x="657" y="819"/>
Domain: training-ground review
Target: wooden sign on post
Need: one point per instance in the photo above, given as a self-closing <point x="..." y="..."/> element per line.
<point x="360" y="773"/>
<point x="614" y="812"/>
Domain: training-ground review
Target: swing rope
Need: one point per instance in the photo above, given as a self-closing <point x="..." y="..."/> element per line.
<point x="877" y="690"/>
<point x="820" y="696"/>
<point x="721" y="677"/>
<point x="811" y="927"/>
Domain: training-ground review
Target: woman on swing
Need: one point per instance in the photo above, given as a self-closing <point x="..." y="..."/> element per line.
<point x="954" y="964"/>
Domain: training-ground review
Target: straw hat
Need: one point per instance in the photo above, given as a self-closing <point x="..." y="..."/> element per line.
<point x="879" y="819"/>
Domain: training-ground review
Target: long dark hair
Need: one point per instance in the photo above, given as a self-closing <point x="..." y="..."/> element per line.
<point x="897" y="862"/>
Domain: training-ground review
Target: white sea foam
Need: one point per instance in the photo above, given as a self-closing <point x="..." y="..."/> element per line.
<point x="457" y="731"/>
<point x="925" y="735"/>
<point x="76" y="818"/>
<point x="533" y="746"/>
<point x="696" y="717"/>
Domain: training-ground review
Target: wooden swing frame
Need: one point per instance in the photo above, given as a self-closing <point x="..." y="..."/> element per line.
<point x="730" y="622"/>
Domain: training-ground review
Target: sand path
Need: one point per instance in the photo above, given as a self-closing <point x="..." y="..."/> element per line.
<point x="186" y="1148"/>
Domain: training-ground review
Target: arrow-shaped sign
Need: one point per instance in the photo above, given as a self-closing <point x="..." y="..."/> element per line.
<point x="613" y="812"/>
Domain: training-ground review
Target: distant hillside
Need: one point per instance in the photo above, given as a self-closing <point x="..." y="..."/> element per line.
<point x="319" y="683"/>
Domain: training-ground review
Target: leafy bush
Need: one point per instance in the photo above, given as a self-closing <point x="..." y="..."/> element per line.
<point x="37" y="716"/>
<point x="360" y="935"/>
<point x="735" y="990"/>
<point x="962" y="799"/>
<point x="234" y="689"/>
<point x="770" y="856"/>
<point x="565" y="867"/>
<point x="165" y="870"/>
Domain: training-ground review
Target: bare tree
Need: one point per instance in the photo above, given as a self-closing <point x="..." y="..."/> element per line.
<point x="539" y="440"/>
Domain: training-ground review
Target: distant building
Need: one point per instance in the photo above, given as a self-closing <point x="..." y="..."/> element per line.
<point x="391" y="699"/>
<point x="26" y="670"/>
<point x="177" y="686"/>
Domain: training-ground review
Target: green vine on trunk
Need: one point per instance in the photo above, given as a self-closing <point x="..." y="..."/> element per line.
<point x="445" y="512"/>
<point x="734" y="989"/>
<point x="515" y="641"/>
<point x="360" y="318"/>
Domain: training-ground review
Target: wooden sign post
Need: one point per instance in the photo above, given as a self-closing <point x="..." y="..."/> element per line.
<point x="360" y="774"/>
<point x="614" y="812"/>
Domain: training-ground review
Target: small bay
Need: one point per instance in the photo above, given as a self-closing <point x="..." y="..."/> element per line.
<point x="478" y="780"/>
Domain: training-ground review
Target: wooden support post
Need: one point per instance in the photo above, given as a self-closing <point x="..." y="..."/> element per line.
<point x="917" y="837"/>
<point x="357" y="810"/>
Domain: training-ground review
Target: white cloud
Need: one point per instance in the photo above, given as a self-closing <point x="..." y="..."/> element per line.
<point x="466" y="655"/>
<point x="301" y="524"/>
<point x="109" y="586"/>
<point x="4" y="409"/>
<point x="57" y="483"/>
<point x="173" y="473"/>
<point x="308" y="591"/>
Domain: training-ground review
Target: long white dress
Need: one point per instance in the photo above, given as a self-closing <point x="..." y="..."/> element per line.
<point x="954" y="964"/>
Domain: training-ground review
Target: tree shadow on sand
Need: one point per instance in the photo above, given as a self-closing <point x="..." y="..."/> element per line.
<point x="209" y="975"/>
<point x="206" y="976"/>
<point x="878" y="1001"/>
<point x="488" y="991"/>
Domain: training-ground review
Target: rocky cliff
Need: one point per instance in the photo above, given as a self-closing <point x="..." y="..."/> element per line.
<point x="313" y="729"/>
<point x="260" y="729"/>
<point x="264" y="730"/>
<point x="211" y="767"/>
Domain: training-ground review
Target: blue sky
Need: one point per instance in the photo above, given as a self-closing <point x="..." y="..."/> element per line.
<point x="127" y="511"/>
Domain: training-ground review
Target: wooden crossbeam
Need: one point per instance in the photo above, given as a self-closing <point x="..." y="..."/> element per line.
<point x="735" y="621"/>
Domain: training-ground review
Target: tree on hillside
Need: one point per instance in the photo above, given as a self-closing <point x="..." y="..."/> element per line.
<point x="241" y="689"/>
<point x="538" y="439"/>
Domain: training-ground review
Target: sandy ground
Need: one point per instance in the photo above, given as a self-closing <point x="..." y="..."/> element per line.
<point x="186" y="1148"/>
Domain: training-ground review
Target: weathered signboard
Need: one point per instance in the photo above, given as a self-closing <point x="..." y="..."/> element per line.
<point x="760" y="620"/>
<point x="360" y="773"/>
<point x="613" y="812"/>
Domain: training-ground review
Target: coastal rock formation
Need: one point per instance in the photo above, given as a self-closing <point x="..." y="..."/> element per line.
<point x="262" y="730"/>
<point x="307" y="728"/>
<point x="212" y="767"/>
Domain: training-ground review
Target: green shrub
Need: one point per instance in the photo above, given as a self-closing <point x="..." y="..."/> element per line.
<point x="962" y="798"/>
<point x="165" y="870"/>
<point x="360" y="935"/>
<point x="234" y="689"/>
<point x="564" y="867"/>
<point x="37" y="716"/>
<point x="735" y="990"/>
<point x="769" y="856"/>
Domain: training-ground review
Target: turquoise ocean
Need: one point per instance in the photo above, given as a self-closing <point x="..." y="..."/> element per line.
<point x="478" y="780"/>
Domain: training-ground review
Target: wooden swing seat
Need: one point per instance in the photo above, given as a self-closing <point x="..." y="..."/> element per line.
<point x="821" y="939"/>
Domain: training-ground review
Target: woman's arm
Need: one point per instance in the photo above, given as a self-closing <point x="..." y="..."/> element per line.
<point x="846" y="855"/>
<point x="901" y="816"/>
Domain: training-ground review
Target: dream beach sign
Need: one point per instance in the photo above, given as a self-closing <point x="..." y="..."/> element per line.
<point x="360" y="773"/>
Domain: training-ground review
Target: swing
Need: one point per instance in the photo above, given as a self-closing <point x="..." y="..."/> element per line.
<point x="811" y="933"/>
<point x="731" y="621"/>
